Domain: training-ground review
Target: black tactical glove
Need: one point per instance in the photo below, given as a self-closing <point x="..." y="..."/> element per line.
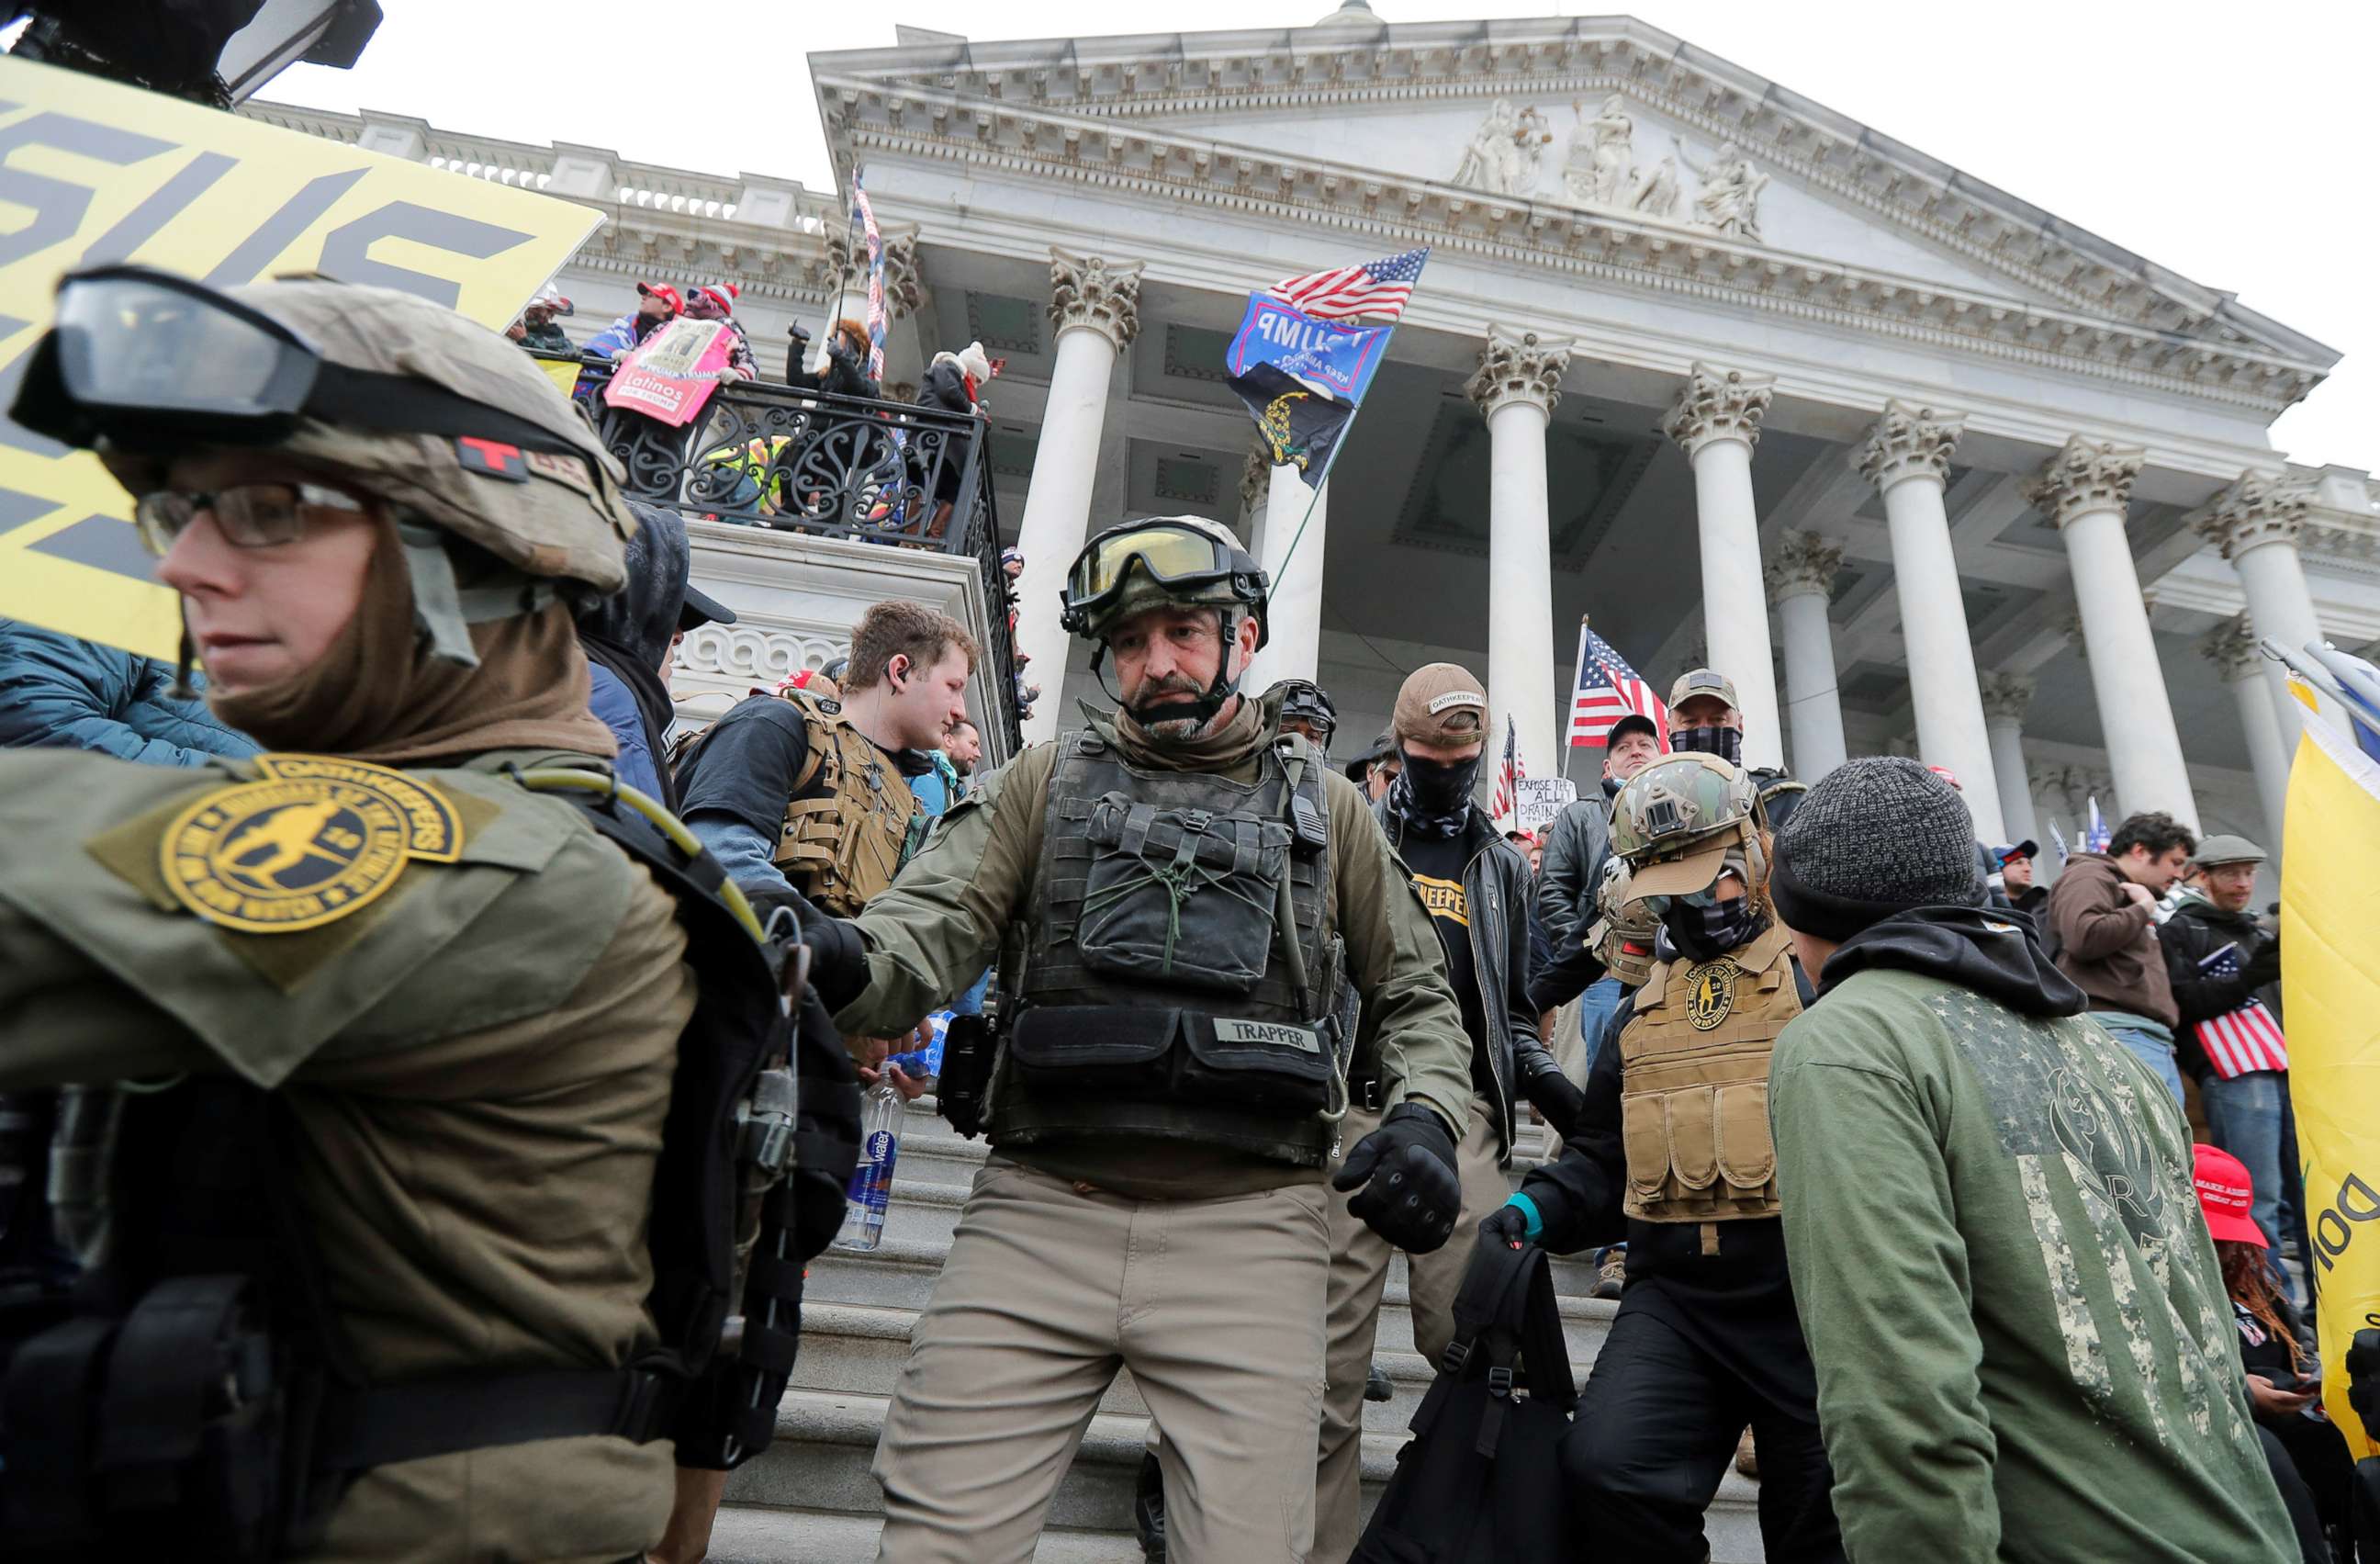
<point x="838" y="958"/>
<point x="1506" y="1225"/>
<point x="2363" y="1376"/>
<point x="1412" y="1193"/>
<point x="1549" y="1091"/>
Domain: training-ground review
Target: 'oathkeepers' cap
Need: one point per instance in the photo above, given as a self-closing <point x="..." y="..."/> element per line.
<point x="1440" y="704"/>
<point x="1703" y="681"/>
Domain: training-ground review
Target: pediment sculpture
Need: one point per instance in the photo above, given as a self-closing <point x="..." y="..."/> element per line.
<point x="1506" y="154"/>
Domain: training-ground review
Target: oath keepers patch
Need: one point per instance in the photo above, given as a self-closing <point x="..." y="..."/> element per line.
<point x="1710" y="994"/>
<point x="1278" y="1034"/>
<point x="316" y="839"/>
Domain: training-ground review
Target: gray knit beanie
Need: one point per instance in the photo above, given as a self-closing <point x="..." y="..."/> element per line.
<point x="1873" y="838"/>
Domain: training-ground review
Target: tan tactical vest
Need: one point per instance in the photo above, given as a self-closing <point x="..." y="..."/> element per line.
<point x="1693" y="1084"/>
<point x="845" y="845"/>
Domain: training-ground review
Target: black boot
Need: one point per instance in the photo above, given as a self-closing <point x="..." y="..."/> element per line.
<point x="1148" y="1509"/>
<point x="1376" y="1385"/>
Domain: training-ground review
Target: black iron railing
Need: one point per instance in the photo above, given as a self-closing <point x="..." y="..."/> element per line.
<point x="761" y="455"/>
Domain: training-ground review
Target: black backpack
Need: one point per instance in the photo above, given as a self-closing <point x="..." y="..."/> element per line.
<point x="1480" y="1482"/>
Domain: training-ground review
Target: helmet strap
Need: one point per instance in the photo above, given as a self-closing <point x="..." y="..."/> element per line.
<point x="444" y="609"/>
<point x="1203" y="709"/>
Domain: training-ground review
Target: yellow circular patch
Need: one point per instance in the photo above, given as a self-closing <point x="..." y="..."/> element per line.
<point x="316" y="839"/>
<point x="1710" y="994"/>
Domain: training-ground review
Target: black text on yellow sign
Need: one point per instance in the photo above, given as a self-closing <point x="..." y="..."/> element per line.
<point x="91" y="172"/>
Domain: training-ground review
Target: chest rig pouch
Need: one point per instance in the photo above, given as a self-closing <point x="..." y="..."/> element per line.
<point x="193" y="1381"/>
<point x="1176" y="958"/>
<point x="1693" y="1095"/>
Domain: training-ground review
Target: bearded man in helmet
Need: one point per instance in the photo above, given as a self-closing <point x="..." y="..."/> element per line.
<point x="365" y="1259"/>
<point x="1177" y="894"/>
<point x="1673" y="1154"/>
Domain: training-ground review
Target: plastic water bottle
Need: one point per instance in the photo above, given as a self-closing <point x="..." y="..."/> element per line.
<point x="871" y="1182"/>
<point x="926" y="1063"/>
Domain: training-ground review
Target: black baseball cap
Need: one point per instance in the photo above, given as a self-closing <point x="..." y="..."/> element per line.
<point x="700" y="608"/>
<point x="1635" y="722"/>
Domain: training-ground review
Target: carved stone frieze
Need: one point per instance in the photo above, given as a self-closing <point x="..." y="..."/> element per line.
<point x="2256" y="509"/>
<point x="1909" y="441"/>
<point x="2006" y="696"/>
<point x="752" y="653"/>
<point x="2231" y="646"/>
<point x="2084" y="477"/>
<point x="1802" y="562"/>
<point x="1516" y="367"/>
<point x="1256" y="476"/>
<point x="1093" y="292"/>
<point x="1718" y="405"/>
<point x="1506" y="155"/>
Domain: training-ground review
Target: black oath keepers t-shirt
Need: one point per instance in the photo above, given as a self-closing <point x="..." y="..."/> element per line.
<point x="1436" y="863"/>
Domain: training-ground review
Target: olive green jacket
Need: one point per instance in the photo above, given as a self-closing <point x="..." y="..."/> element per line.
<point x="477" y="1064"/>
<point x="940" y="923"/>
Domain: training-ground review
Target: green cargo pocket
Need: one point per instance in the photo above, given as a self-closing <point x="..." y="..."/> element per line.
<point x="1093" y="1048"/>
<point x="1180" y="896"/>
<point x="1693" y="1135"/>
<point x="1746" y="1154"/>
<point x="1271" y="1065"/>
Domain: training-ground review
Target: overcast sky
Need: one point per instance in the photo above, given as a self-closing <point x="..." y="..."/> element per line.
<point x="2220" y="140"/>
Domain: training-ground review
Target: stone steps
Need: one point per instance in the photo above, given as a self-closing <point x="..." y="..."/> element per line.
<point x="811" y="1497"/>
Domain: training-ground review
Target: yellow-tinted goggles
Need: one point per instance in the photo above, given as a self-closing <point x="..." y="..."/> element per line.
<point x="1170" y="555"/>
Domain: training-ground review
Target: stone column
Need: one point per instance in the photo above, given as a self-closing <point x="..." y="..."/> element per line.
<point x="2006" y="696"/>
<point x="1801" y="580"/>
<point x="2232" y="647"/>
<point x="1908" y="457"/>
<point x="1095" y="307"/>
<point x="2083" y="491"/>
<point x="1256" y="491"/>
<point x="1518" y="381"/>
<point x="1294" y="635"/>
<point x="1717" y="421"/>
<point x="2255" y="523"/>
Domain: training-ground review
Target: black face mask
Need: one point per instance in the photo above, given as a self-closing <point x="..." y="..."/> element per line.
<point x="1705" y="934"/>
<point x="1434" y="795"/>
<point x="1727" y="743"/>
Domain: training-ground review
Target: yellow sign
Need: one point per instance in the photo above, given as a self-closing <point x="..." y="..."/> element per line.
<point x="92" y="172"/>
<point x="315" y="840"/>
<point x="2330" y="996"/>
<point x="1710" y="994"/>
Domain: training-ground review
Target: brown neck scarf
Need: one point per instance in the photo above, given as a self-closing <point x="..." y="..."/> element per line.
<point x="378" y="695"/>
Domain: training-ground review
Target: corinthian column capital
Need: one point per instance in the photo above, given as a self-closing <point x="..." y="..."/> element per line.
<point x="2084" y="476"/>
<point x="1093" y="292"/>
<point x="2231" y="646"/>
<point x="1718" y="405"/>
<point x="1514" y="366"/>
<point x="2260" y="508"/>
<point x="1802" y="562"/>
<point x="1256" y="476"/>
<point x="2006" y="696"/>
<point x="1909" y="441"/>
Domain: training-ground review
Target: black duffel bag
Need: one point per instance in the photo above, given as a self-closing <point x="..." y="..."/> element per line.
<point x="1480" y="1482"/>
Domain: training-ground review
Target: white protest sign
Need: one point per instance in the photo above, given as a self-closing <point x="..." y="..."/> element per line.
<point x="1536" y="800"/>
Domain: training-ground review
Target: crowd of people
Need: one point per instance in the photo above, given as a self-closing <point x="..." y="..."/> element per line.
<point x="1884" y="1147"/>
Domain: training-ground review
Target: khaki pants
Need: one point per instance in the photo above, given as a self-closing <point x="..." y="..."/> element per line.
<point x="1215" y="1305"/>
<point x="1359" y="1267"/>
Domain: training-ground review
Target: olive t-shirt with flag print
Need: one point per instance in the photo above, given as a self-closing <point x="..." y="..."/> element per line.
<point x="1435" y="864"/>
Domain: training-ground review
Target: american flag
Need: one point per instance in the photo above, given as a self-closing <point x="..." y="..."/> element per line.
<point x="2095" y="835"/>
<point x="2242" y="1040"/>
<point x="1509" y="775"/>
<point x="877" y="318"/>
<point x="1345" y="293"/>
<point x="1608" y="690"/>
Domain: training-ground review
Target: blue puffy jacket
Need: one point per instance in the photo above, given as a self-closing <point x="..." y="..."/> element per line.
<point x="58" y="692"/>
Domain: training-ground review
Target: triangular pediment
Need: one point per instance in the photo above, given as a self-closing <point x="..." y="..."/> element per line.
<point x="1597" y="135"/>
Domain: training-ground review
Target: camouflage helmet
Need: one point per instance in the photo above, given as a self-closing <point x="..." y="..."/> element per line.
<point x="1675" y="821"/>
<point x="1302" y="700"/>
<point x="1624" y="925"/>
<point x="1118" y="574"/>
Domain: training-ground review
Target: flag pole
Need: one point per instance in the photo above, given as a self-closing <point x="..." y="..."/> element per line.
<point x="1569" y="751"/>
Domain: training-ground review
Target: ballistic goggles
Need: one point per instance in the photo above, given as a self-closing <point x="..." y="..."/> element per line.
<point x="144" y="357"/>
<point x="1181" y="560"/>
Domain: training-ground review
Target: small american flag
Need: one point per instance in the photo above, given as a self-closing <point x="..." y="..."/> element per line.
<point x="2095" y="835"/>
<point x="1346" y="293"/>
<point x="1608" y="690"/>
<point x="877" y="318"/>
<point x="1509" y="775"/>
<point x="2242" y="1040"/>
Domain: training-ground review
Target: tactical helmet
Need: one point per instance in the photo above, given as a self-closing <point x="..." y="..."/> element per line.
<point x="1675" y="820"/>
<point x="1302" y="700"/>
<point x="1164" y="561"/>
<point x="1624" y="928"/>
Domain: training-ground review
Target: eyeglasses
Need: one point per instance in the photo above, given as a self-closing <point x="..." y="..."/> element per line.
<point x="250" y="516"/>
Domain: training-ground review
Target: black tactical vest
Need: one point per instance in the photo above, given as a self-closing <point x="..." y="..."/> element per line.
<point x="1156" y="993"/>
